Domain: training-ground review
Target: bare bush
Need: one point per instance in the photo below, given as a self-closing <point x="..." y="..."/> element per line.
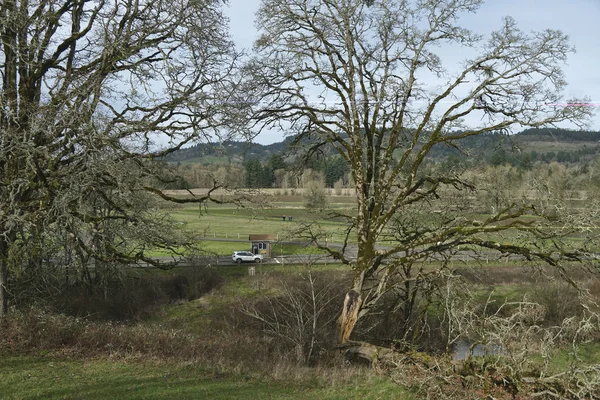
<point x="301" y="315"/>
<point x="521" y="338"/>
<point x="315" y="195"/>
<point x="559" y="300"/>
<point x="520" y="345"/>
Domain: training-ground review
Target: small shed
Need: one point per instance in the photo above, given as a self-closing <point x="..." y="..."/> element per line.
<point x="261" y="244"/>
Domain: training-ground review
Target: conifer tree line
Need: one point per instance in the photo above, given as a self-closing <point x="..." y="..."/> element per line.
<point x="262" y="169"/>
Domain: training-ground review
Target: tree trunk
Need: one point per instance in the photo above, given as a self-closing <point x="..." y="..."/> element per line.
<point x="354" y="300"/>
<point x="3" y="278"/>
<point x="349" y="316"/>
<point x="351" y="308"/>
<point x="374" y="355"/>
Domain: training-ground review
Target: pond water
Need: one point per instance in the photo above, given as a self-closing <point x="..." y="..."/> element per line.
<point x="462" y="348"/>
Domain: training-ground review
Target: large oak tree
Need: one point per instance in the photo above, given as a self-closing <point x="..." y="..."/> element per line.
<point x="379" y="82"/>
<point x="92" y="93"/>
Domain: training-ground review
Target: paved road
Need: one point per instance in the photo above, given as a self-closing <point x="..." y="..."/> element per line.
<point x="465" y="255"/>
<point x="226" y="260"/>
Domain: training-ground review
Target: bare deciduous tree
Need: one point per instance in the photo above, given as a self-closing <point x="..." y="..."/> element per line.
<point x="373" y="81"/>
<point x="92" y="92"/>
<point x="297" y="315"/>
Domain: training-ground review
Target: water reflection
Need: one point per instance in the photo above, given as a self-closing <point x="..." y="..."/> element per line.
<point x="462" y="350"/>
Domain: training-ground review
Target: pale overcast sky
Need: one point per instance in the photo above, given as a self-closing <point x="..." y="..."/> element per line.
<point x="577" y="18"/>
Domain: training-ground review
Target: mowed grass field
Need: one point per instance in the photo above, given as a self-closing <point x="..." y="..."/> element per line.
<point x="37" y="377"/>
<point x="227" y="222"/>
<point x="286" y="221"/>
<point x="227" y="227"/>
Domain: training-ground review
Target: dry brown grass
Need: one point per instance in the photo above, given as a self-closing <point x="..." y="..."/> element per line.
<point x="231" y="341"/>
<point x="228" y="340"/>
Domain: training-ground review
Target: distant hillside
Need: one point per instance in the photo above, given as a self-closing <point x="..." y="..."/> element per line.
<point x="530" y="145"/>
<point x="228" y="151"/>
<point x="561" y="135"/>
<point x="526" y="147"/>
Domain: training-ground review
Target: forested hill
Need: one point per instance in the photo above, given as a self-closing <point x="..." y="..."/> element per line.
<point x="559" y="135"/>
<point x="544" y="144"/>
<point x="526" y="147"/>
<point x="232" y="150"/>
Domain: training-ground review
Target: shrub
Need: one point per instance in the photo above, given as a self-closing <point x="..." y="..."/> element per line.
<point x="36" y="330"/>
<point x="125" y="296"/>
<point x="297" y="321"/>
<point x="338" y="186"/>
<point x="560" y="301"/>
<point x="315" y="196"/>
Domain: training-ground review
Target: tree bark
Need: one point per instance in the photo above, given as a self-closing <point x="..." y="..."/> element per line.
<point x="3" y="278"/>
<point x="349" y="316"/>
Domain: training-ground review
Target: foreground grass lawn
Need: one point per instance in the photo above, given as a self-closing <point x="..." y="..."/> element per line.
<point x="52" y="378"/>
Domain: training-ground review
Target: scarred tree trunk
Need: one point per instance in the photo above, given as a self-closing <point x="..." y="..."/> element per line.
<point x="368" y="58"/>
<point x="349" y="316"/>
<point x="354" y="300"/>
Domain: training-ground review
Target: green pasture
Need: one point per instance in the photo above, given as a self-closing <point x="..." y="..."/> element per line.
<point x="225" y="228"/>
<point x="36" y="377"/>
<point x="233" y="223"/>
<point x="584" y="354"/>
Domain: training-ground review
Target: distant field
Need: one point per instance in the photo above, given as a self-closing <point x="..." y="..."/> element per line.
<point x="550" y="145"/>
<point x="277" y="194"/>
<point x="233" y="223"/>
<point x="286" y="221"/>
